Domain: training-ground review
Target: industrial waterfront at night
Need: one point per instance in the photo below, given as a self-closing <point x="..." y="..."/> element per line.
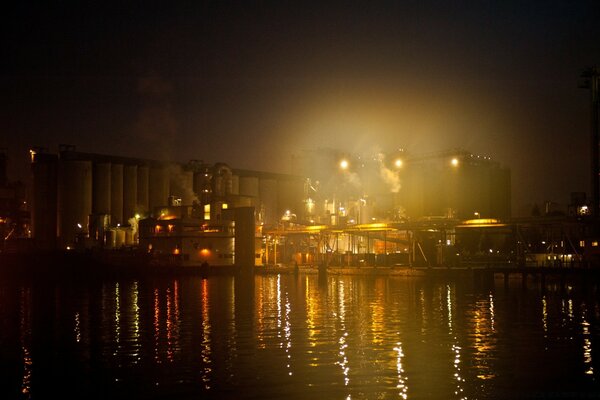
<point x="295" y="200"/>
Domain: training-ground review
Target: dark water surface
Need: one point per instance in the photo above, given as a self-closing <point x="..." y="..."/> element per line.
<point x="297" y="337"/>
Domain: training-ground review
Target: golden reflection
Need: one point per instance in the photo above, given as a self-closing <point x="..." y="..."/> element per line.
<point x="136" y="321"/>
<point x="459" y="380"/>
<point x="156" y="325"/>
<point x="377" y="313"/>
<point x="484" y="337"/>
<point x="284" y="324"/>
<point x="25" y="336"/>
<point x="117" y="317"/>
<point x="571" y="314"/>
<point x="545" y="315"/>
<point x="402" y="386"/>
<point x="173" y="321"/>
<point x="587" y="343"/>
<point x="449" y="307"/>
<point x="205" y="347"/>
<point x="310" y="313"/>
<point x="288" y="333"/>
<point x="77" y="328"/>
<point x="342" y="341"/>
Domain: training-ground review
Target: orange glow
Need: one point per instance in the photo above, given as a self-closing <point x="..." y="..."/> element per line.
<point x="171" y="227"/>
<point x="205" y="252"/>
<point x="176" y="251"/>
<point x="157" y="229"/>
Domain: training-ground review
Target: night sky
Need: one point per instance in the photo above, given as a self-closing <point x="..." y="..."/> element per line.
<point x="252" y="83"/>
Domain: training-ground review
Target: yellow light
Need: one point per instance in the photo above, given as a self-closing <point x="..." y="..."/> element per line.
<point x="225" y="206"/>
<point x="344" y="164"/>
<point x="398" y="163"/>
<point x="205" y="252"/>
<point x="176" y="250"/>
<point x="481" y="221"/>
<point x="454" y="162"/>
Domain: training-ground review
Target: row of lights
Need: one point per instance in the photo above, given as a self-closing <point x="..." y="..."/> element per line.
<point x="398" y="163"/>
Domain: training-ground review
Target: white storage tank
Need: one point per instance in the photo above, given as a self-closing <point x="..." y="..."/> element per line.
<point x="74" y="199"/>
<point x="116" y="194"/>
<point x="249" y="186"/>
<point x="159" y="187"/>
<point x="101" y="188"/>
<point x="129" y="192"/>
<point x="143" y="176"/>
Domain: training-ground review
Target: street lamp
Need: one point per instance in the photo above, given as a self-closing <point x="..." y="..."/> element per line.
<point x="454" y="162"/>
<point x="344" y="164"/>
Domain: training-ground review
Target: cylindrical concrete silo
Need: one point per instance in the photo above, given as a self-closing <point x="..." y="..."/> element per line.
<point x="44" y="200"/>
<point x="101" y="186"/>
<point x="268" y="198"/>
<point x="143" y="176"/>
<point x="159" y="187"/>
<point x="221" y="180"/>
<point x="116" y="194"/>
<point x="235" y="184"/>
<point x="74" y="199"/>
<point x="249" y="186"/>
<point x="129" y="191"/>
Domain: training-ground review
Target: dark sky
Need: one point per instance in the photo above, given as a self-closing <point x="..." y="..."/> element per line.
<point x="251" y="83"/>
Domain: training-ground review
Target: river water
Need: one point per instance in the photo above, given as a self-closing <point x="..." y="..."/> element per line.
<point x="297" y="337"/>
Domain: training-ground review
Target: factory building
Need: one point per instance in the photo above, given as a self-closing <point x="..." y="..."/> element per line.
<point x="85" y="200"/>
<point x="351" y="189"/>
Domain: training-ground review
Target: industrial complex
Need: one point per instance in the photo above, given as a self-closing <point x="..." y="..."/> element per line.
<point x="396" y="209"/>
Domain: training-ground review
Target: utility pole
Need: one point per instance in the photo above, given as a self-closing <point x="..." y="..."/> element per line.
<point x="591" y="77"/>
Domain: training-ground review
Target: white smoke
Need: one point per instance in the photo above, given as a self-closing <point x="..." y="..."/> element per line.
<point x="182" y="184"/>
<point x="390" y="177"/>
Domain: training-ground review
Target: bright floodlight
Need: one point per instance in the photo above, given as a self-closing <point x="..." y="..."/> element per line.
<point x="454" y="162"/>
<point x="398" y="163"/>
<point x="344" y="164"/>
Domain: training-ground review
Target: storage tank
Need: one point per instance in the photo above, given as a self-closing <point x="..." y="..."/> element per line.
<point x="110" y="239"/>
<point x="44" y="200"/>
<point x="116" y="194"/>
<point x="249" y="186"/>
<point x="74" y="199"/>
<point x="268" y="198"/>
<point x="129" y="192"/>
<point x="221" y="180"/>
<point x="235" y="184"/>
<point x="143" y="176"/>
<point x="101" y="186"/>
<point x="159" y="187"/>
<point x="119" y="237"/>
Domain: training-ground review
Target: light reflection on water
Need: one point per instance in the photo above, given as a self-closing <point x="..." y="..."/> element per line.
<point x="296" y="336"/>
